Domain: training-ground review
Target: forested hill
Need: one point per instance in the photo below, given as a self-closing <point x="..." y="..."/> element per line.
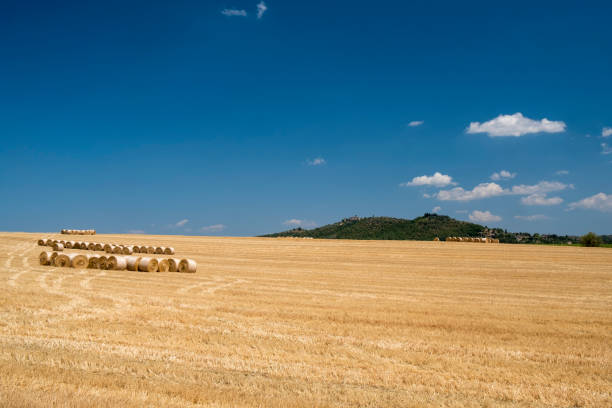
<point x="426" y="227"/>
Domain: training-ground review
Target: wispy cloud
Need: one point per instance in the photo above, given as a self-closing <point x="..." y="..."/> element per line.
<point x="504" y="174"/>
<point x="317" y="161"/>
<point x="484" y="216"/>
<point x="234" y="12"/>
<point x="294" y="222"/>
<point x="483" y="190"/>
<point x="181" y="223"/>
<point x="541" y="199"/>
<point x="562" y="173"/>
<point x="261" y="9"/>
<point x="542" y="187"/>
<point x="416" y="123"/>
<point x="515" y="125"/>
<point x="606" y="132"/>
<point x="534" y="217"/>
<point x="488" y="190"/>
<point x="436" y="209"/>
<point x="605" y="149"/>
<point x="213" y="228"/>
<point x="600" y="202"/>
<point x="437" y="180"/>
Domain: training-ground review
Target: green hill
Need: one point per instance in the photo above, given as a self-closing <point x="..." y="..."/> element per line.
<point x="426" y="227"/>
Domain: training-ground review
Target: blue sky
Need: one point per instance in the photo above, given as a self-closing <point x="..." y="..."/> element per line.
<point x="244" y="118"/>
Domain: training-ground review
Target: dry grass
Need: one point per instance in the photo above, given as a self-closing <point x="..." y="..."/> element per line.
<point x="285" y="323"/>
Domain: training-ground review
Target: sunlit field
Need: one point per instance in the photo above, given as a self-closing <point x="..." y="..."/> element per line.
<point x="296" y="322"/>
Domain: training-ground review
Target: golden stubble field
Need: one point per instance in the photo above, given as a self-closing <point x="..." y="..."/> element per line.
<point x="287" y="322"/>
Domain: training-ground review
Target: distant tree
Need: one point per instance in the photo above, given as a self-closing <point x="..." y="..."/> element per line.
<point x="590" y="240"/>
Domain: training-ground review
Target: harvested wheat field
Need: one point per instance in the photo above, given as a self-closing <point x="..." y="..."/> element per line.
<point x="289" y="322"/>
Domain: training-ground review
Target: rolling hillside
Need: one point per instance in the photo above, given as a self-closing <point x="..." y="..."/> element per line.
<point x="426" y="227"/>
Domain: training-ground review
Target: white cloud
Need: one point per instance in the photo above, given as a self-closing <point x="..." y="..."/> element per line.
<point x="504" y="174"/>
<point x="600" y="201"/>
<point x="415" y="123"/>
<point x="542" y="187"/>
<point x="606" y="132"/>
<point x="562" y="173"/>
<point x="299" y="223"/>
<point x="541" y="199"/>
<point x="261" y="9"/>
<point x="535" y="217"/>
<point x="488" y="190"/>
<point x="515" y="125"/>
<point x="437" y="180"/>
<point x="483" y="190"/>
<point x="317" y="161"/>
<point x="605" y="149"/>
<point x="234" y="12"/>
<point x="483" y="216"/>
<point x="181" y="223"/>
<point x="436" y="209"/>
<point x="213" y="228"/>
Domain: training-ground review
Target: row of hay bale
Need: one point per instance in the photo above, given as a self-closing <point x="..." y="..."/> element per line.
<point x="473" y="239"/>
<point x="118" y="262"/>
<point x="78" y="232"/>
<point x="59" y="245"/>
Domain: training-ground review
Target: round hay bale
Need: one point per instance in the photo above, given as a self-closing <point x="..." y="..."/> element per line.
<point x="159" y="250"/>
<point x="132" y="262"/>
<point x="116" y="263"/>
<point x="163" y="265"/>
<point x="173" y="263"/>
<point x="107" y="248"/>
<point x="128" y="250"/>
<point x="69" y="244"/>
<point x="148" y="265"/>
<point x="169" y="251"/>
<point x="91" y="246"/>
<point x="150" y="250"/>
<point x="78" y="261"/>
<point x="41" y="242"/>
<point x="98" y="246"/>
<point x="62" y="261"/>
<point x="187" y="266"/>
<point x="92" y="262"/>
<point x="45" y="257"/>
<point x="118" y="250"/>
<point x="135" y="249"/>
<point x="58" y="247"/>
<point x="102" y="262"/>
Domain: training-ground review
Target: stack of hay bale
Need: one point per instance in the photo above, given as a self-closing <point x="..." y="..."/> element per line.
<point x="117" y="260"/>
<point x="472" y="239"/>
<point x="109" y="248"/>
<point x="78" y="232"/>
